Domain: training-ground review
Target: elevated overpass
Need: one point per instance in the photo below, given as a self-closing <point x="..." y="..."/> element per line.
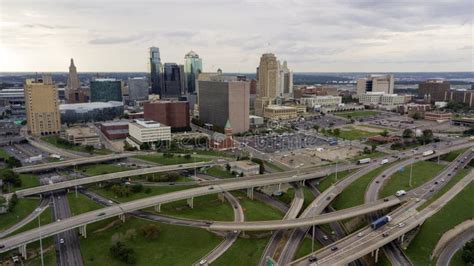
<point x="73" y="162"/>
<point x="100" y="178"/>
<point x="309" y="221"/>
<point x="405" y="219"/>
<point x="80" y="221"/>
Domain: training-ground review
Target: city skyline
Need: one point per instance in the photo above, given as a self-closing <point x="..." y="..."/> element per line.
<point x="313" y="37"/>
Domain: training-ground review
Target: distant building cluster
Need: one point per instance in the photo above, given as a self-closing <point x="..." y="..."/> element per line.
<point x="145" y="110"/>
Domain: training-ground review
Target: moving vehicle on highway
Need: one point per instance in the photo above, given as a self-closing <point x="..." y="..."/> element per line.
<point x="380" y="222"/>
<point x="400" y="193"/>
<point x="363" y="161"/>
<point x="384" y="161"/>
<point x="428" y="153"/>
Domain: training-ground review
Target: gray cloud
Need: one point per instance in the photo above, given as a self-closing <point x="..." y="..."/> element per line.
<point x="116" y="40"/>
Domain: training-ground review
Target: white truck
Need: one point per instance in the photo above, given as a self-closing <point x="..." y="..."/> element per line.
<point x="363" y="161"/>
<point x="428" y="153"/>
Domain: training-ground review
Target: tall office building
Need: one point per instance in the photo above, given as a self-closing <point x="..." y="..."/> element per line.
<point x="105" y="90"/>
<point x="268" y="83"/>
<point x="222" y="101"/>
<point x="192" y="68"/>
<point x="137" y="88"/>
<point x="434" y="90"/>
<point x="155" y="70"/>
<point x="73" y="79"/>
<point x="42" y="108"/>
<point x="173" y="81"/>
<point x="171" y="113"/>
<point x="286" y="80"/>
<point x="376" y="83"/>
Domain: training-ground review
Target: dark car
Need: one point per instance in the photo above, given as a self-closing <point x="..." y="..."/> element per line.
<point x="334" y="248"/>
<point x="431" y="190"/>
<point x="436" y="182"/>
<point x="101" y="214"/>
<point x="328" y="198"/>
<point x="385" y="234"/>
<point x="2" y="246"/>
<point x="386" y="199"/>
<point x="211" y="188"/>
<point x="312" y="258"/>
<point x="377" y="181"/>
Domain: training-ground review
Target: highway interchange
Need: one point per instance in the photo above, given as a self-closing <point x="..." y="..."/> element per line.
<point x="309" y="216"/>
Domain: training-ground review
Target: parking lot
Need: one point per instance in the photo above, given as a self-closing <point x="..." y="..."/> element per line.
<point x="284" y="142"/>
<point x="24" y="151"/>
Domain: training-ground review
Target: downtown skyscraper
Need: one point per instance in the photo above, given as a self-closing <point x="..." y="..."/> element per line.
<point x="192" y="68"/>
<point x="155" y="70"/>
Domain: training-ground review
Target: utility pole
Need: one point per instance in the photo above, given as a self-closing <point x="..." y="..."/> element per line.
<point x="40" y="239"/>
<point x="411" y="173"/>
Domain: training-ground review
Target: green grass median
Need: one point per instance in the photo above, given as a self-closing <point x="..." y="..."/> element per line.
<point x="22" y="209"/>
<point x="174" y="245"/>
<point x="170" y="160"/>
<point x="423" y="171"/>
<point x="453" y="213"/>
<point x="243" y="252"/>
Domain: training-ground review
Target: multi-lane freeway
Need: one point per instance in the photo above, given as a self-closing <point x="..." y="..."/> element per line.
<point x="106" y="177"/>
<point x="245" y="183"/>
<point x="405" y="219"/>
<point x="73" y="162"/>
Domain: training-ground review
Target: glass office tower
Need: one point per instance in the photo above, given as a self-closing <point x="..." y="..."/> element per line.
<point x="173" y="80"/>
<point x="155" y="70"/>
<point x="192" y="67"/>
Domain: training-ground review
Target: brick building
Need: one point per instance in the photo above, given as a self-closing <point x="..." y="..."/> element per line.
<point x="171" y="113"/>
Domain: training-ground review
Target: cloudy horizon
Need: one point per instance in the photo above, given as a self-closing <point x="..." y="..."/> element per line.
<point x="313" y="36"/>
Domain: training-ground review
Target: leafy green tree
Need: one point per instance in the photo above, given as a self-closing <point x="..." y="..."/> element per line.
<point x="407" y="133"/>
<point x="90" y="149"/>
<point x="316" y="127"/>
<point x="123" y="253"/>
<point x="467" y="254"/>
<point x="150" y="231"/>
<point x="384" y="133"/>
<point x="13" y="162"/>
<point x="336" y="132"/>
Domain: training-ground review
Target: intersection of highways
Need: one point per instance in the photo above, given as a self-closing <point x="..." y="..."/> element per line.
<point x="347" y="249"/>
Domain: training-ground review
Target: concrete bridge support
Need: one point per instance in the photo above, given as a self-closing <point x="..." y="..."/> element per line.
<point x="402" y="238"/>
<point x="191" y="202"/>
<point x="22" y="250"/>
<point x="158" y="208"/>
<point x="221" y="197"/>
<point x="122" y="217"/>
<point x="250" y="193"/>
<point x="377" y="255"/>
<point x="83" y="231"/>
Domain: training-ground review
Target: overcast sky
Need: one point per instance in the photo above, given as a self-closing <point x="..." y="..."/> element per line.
<point x="312" y="35"/>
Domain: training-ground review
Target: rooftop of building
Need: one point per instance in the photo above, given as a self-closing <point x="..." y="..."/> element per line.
<point x="89" y="106"/>
<point x="320" y="96"/>
<point x="105" y="79"/>
<point x="81" y="132"/>
<point x="243" y="164"/>
<point x="279" y="107"/>
<point x="148" y="123"/>
<point x="115" y="123"/>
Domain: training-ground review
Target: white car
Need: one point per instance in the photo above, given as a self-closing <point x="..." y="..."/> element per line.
<point x="400" y="193"/>
<point x="61" y="241"/>
<point x="360" y="234"/>
<point x="203" y="262"/>
<point x="401" y="225"/>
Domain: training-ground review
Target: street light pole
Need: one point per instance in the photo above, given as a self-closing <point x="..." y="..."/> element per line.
<point x="194" y="157"/>
<point x="40" y="240"/>
<point x="411" y="172"/>
<point x="75" y="172"/>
